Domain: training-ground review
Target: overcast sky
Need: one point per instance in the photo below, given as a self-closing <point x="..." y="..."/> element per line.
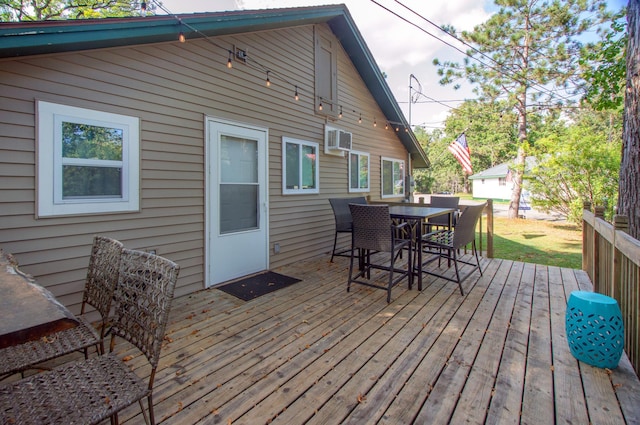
<point x="399" y="48"/>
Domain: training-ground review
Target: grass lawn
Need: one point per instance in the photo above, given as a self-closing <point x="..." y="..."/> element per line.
<point x="538" y="241"/>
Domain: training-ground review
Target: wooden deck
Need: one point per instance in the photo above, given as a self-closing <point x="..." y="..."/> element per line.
<point x="313" y="353"/>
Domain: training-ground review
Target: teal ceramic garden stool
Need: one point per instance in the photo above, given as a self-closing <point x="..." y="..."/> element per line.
<point x="595" y="330"/>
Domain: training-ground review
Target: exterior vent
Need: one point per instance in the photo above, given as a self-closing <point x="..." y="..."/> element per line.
<point x="338" y="140"/>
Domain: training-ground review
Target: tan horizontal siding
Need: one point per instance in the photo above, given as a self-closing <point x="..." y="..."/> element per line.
<point x="172" y="88"/>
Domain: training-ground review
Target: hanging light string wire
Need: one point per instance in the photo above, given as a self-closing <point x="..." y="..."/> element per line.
<point x="270" y="75"/>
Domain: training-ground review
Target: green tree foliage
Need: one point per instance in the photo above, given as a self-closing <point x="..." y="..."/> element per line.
<point x="44" y="10"/>
<point x="576" y="163"/>
<point x="605" y="67"/>
<point x="491" y="134"/>
<point x="526" y="53"/>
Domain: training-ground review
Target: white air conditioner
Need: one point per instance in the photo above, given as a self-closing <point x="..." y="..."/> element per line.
<point x="338" y="140"/>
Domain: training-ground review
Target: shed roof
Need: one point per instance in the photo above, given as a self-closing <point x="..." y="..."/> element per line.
<point x="501" y="170"/>
<point x="46" y="37"/>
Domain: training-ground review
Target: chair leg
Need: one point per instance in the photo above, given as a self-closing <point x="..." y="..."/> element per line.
<point x="351" y="270"/>
<point x="455" y="263"/>
<point x="477" y="258"/>
<point x="335" y="241"/>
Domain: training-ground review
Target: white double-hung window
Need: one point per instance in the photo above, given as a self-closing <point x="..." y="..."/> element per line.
<point x="392" y="177"/>
<point x="358" y="171"/>
<point x="300" y="169"/>
<point x="88" y="161"/>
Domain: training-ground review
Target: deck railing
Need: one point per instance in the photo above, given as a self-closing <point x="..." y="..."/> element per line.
<point x="611" y="258"/>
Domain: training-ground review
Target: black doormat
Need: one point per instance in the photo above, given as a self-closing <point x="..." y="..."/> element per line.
<point x="258" y="285"/>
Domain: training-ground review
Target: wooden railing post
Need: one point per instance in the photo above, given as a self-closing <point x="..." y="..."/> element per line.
<point x="586" y="250"/>
<point x="620" y="223"/>
<point x="597" y="280"/>
<point x="489" y="228"/>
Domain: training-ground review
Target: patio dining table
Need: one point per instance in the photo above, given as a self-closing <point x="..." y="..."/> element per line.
<point x="416" y="216"/>
<point x="27" y="310"/>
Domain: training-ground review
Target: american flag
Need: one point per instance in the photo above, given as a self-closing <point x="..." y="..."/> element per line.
<point x="460" y="149"/>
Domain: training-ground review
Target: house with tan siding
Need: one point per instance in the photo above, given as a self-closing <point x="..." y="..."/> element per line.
<point x="117" y="127"/>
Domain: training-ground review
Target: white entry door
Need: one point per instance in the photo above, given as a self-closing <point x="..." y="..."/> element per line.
<point x="237" y="211"/>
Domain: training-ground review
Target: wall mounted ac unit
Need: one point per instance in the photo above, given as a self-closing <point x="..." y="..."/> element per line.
<point x="338" y="140"/>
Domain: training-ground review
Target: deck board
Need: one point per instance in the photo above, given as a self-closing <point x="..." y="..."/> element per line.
<point x="312" y="353"/>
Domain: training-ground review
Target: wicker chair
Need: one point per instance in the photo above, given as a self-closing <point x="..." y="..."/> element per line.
<point x="102" y="276"/>
<point x="89" y="391"/>
<point x="342" y="216"/>
<point x="374" y="232"/>
<point x="446" y="244"/>
<point x="442" y="221"/>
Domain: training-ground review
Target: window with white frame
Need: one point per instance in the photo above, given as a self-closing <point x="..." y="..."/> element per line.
<point x="358" y="171"/>
<point x="300" y="168"/>
<point x="502" y="181"/>
<point x="392" y="177"/>
<point x="88" y="161"/>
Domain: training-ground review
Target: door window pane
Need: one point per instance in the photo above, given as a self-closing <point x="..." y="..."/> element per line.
<point x="238" y="160"/>
<point x="238" y="207"/>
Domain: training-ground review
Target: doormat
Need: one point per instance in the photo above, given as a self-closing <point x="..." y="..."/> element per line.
<point x="258" y="285"/>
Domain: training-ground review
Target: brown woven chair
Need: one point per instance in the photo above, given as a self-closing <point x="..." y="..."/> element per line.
<point x="442" y="221"/>
<point x="374" y="232"/>
<point x="89" y="391"/>
<point x="447" y="243"/>
<point x="102" y="276"/>
<point x="342" y="216"/>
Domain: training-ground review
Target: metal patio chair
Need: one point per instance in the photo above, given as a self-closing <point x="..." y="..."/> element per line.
<point x="342" y="216"/>
<point x="90" y="391"/>
<point x="373" y="231"/>
<point x="446" y="244"/>
<point x="102" y="276"/>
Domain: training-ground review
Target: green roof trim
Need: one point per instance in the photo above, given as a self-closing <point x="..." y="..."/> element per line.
<point x="47" y="37"/>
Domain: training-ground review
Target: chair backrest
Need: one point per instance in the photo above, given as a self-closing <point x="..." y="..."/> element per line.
<point x="443" y="202"/>
<point x="102" y="275"/>
<point x="371" y="227"/>
<point x="342" y="213"/>
<point x="143" y="300"/>
<point x="465" y="231"/>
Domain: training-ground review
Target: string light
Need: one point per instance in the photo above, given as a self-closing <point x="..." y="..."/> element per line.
<point x="256" y="65"/>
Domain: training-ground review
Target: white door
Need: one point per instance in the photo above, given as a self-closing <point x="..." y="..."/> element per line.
<point x="237" y="219"/>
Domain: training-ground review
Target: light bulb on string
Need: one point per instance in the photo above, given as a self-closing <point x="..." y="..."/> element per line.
<point x="320" y="105"/>
<point x="360" y="119"/>
<point x="386" y="126"/>
<point x="295" y="96"/>
<point x="229" y="62"/>
<point x="340" y="114"/>
<point x="181" y="37"/>
<point x="268" y="82"/>
<point x="375" y="123"/>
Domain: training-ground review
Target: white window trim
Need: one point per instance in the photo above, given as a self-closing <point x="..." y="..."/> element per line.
<point x="316" y="146"/>
<point x="360" y="189"/>
<point x="49" y="161"/>
<point x="404" y="189"/>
